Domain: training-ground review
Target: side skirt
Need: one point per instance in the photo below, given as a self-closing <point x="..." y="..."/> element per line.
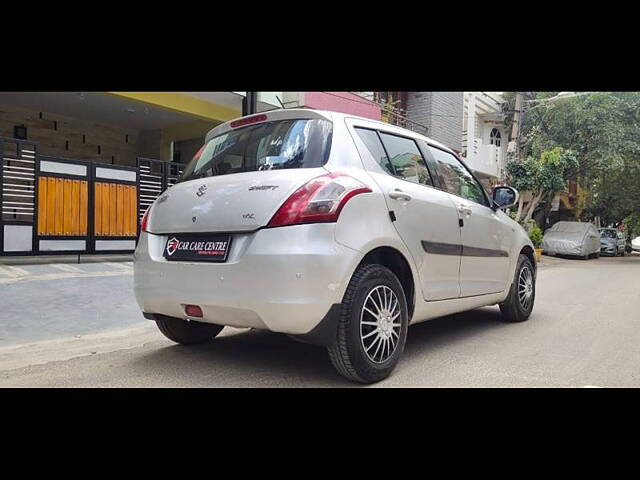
<point x="440" y="308"/>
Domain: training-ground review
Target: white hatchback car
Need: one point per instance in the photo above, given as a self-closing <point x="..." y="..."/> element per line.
<point x="333" y="229"/>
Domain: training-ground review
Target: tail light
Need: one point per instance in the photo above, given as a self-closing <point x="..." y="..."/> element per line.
<point x="145" y="220"/>
<point x="318" y="201"/>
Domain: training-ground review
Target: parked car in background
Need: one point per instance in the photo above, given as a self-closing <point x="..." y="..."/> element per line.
<point x="333" y="229"/>
<point x="635" y="244"/>
<point x="572" y="238"/>
<point x="612" y="242"/>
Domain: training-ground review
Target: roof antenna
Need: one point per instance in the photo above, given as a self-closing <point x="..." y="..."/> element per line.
<point x="280" y="102"/>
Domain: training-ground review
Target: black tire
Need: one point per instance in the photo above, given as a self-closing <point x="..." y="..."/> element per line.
<point x="512" y="308"/>
<point x="348" y="353"/>
<point x="187" y="332"/>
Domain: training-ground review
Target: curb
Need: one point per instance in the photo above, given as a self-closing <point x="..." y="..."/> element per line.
<point x="45" y="259"/>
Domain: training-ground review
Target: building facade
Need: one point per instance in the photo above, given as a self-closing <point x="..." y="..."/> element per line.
<point x="440" y="113"/>
<point x="484" y="136"/>
<point x="437" y="115"/>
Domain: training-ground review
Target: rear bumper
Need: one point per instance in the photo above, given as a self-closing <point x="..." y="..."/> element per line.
<point x="281" y="279"/>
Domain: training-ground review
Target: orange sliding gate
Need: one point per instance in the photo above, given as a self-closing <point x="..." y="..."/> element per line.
<point x="62" y="207"/>
<point x="55" y="205"/>
<point x="86" y="207"/>
<point x="115" y="210"/>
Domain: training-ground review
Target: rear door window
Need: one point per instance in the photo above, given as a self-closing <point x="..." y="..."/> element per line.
<point x="406" y="159"/>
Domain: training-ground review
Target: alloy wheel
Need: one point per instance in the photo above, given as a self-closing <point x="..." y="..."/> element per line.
<point x="380" y="324"/>
<point x="525" y="287"/>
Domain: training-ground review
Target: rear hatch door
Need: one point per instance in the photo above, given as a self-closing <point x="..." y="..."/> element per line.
<point x="238" y="202"/>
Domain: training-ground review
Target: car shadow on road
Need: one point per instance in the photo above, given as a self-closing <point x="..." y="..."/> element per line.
<point x="263" y="359"/>
<point x="441" y="332"/>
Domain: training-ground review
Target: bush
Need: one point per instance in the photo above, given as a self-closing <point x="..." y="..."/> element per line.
<point x="536" y="236"/>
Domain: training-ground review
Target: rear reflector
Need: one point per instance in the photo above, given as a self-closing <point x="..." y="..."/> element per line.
<point x="193" y="311"/>
<point x="248" y="121"/>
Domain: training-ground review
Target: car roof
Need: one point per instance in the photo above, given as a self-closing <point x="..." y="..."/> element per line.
<point x="303" y="113"/>
<point x="571" y="227"/>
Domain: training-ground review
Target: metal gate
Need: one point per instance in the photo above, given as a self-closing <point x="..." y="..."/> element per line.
<point x="56" y="205"/>
<point x="155" y="177"/>
<point x="17" y="195"/>
<point x="61" y="206"/>
<point x="85" y="207"/>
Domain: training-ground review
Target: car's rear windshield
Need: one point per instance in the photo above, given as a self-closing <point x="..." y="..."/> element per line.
<point x="608" y="234"/>
<point x="282" y="144"/>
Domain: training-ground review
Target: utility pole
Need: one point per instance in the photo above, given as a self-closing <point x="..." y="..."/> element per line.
<point x="514" y="144"/>
<point x="250" y="103"/>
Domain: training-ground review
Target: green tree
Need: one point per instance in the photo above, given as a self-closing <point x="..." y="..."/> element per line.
<point x="536" y="236"/>
<point x="602" y="129"/>
<point x="542" y="175"/>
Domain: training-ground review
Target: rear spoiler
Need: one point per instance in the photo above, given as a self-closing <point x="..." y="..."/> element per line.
<point x="269" y="116"/>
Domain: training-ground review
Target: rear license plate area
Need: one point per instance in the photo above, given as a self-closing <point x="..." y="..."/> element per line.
<point x="199" y="248"/>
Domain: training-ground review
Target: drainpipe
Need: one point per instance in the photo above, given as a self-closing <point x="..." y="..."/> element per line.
<point x="250" y="103"/>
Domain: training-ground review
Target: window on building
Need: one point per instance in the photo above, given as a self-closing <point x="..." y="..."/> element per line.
<point x="406" y="159"/>
<point x="456" y="179"/>
<point x="495" y="137"/>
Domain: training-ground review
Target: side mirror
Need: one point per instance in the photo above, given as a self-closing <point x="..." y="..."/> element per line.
<point x="504" y="197"/>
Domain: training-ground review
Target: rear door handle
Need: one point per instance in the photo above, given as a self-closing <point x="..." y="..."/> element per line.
<point x="398" y="194"/>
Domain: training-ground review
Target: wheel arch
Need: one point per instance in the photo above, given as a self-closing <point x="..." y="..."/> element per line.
<point x="395" y="261"/>
<point x="528" y="251"/>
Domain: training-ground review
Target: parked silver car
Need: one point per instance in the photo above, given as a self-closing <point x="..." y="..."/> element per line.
<point x="572" y="238"/>
<point x="334" y="229"/>
<point x="612" y="242"/>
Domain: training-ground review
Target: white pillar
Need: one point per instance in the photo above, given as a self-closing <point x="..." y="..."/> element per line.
<point x="471" y="129"/>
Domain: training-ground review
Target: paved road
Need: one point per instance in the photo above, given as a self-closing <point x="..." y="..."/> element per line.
<point x="584" y="332"/>
<point x="41" y="302"/>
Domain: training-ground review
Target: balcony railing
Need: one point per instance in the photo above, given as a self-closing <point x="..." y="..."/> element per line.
<point x="485" y="158"/>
